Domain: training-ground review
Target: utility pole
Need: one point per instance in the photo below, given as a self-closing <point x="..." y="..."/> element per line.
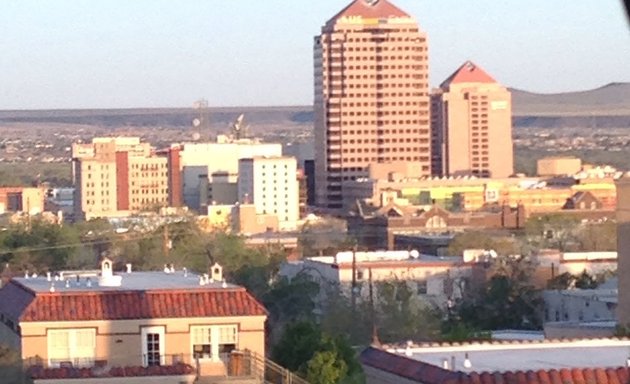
<point x="353" y="294"/>
<point x="375" y="340"/>
<point x="166" y="242"/>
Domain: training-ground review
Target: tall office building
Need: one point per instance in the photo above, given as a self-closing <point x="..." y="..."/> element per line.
<point x="371" y="97"/>
<point x="471" y="125"/>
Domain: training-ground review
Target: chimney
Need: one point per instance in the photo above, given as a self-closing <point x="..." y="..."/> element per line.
<point x="216" y="271"/>
<point x="128" y="265"/>
<point x="453" y="362"/>
<point x="107" y="278"/>
<point x="445" y="363"/>
<point x="467" y="362"/>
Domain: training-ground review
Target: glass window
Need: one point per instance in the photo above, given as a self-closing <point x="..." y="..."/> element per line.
<point x="76" y="347"/>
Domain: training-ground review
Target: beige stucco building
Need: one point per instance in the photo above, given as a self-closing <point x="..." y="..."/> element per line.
<point x="130" y="319"/>
<point x="558" y="166"/>
<point x="114" y="176"/>
<point x="623" y="250"/>
<point x="371" y="99"/>
<point x="471" y="119"/>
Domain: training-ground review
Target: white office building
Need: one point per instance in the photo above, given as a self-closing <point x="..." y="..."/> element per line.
<point x="270" y="183"/>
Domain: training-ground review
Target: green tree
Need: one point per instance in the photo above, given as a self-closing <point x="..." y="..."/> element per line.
<point x="555" y="230"/>
<point x="305" y="349"/>
<point x="325" y="367"/>
<point x="402" y="315"/>
<point x="507" y="300"/>
<point x="11" y="369"/>
<point x="503" y="245"/>
<point x="38" y="245"/>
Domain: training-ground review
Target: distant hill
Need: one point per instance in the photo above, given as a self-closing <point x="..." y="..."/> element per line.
<point x="610" y="100"/>
<point x="607" y="106"/>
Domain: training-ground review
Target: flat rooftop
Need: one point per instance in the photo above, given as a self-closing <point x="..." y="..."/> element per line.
<point x="523" y="356"/>
<point x="135" y="281"/>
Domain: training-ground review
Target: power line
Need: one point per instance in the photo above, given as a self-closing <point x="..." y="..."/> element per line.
<point x="73" y="245"/>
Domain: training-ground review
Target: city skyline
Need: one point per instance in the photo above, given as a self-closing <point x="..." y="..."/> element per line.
<point x="157" y="54"/>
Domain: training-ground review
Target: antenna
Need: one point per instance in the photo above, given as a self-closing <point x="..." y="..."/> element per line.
<point x="201" y="121"/>
<point x="238" y="129"/>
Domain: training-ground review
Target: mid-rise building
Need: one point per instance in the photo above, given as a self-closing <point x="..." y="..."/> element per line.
<point x="117" y="175"/>
<point x="22" y="200"/>
<point x="623" y="250"/>
<point x="209" y="171"/>
<point x="371" y="99"/>
<point x="471" y="124"/>
<point x="270" y="183"/>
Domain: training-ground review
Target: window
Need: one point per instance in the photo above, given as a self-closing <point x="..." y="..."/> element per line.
<point x="210" y="342"/>
<point x="72" y="346"/>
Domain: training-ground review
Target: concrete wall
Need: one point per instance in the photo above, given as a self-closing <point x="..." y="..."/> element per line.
<point x="623" y="249"/>
<point x="119" y="342"/>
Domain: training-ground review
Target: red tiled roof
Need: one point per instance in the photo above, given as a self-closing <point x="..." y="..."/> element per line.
<point x="370" y="10"/>
<point x="469" y="72"/>
<point x="418" y="371"/>
<point x="121" y="305"/>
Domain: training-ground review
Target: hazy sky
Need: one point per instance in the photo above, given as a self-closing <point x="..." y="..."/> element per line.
<point x="153" y="53"/>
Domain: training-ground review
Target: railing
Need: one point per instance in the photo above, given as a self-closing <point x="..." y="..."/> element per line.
<point x="272" y="372"/>
<point x="237" y="364"/>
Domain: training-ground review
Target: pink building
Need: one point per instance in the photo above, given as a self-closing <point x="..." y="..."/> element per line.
<point x="471" y="124"/>
<point x="371" y="97"/>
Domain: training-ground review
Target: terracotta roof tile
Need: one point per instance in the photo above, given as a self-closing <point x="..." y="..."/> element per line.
<point x="469" y="72"/>
<point x="421" y="372"/>
<point x="25" y="305"/>
<point x="370" y="10"/>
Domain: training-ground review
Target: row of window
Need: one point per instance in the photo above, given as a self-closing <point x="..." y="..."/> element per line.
<point x="78" y="346"/>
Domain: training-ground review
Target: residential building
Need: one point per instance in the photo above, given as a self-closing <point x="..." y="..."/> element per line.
<point x="203" y="164"/>
<point x="371" y="99"/>
<point x="601" y="361"/>
<point x="392" y="226"/>
<point x="466" y="193"/>
<point x="112" y="321"/>
<point x="435" y="278"/>
<point x="572" y="313"/>
<point x="271" y="185"/>
<point x="115" y="176"/>
<point x="22" y="200"/>
<point x="471" y="124"/>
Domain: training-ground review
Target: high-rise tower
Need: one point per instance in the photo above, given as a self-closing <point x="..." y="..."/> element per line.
<point x="371" y="97"/>
<point x="471" y="125"/>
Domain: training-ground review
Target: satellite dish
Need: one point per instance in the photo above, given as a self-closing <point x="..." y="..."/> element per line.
<point x="196" y="136"/>
<point x="196" y="122"/>
<point x="414" y="254"/>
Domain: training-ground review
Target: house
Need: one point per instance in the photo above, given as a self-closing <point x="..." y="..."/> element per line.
<point x="378" y="228"/>
<point x="601" y="361"/>
<point x="87" y="319"/>
<point x="436" y="279"/>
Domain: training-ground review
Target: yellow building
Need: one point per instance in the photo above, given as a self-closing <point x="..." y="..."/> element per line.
<point x="116" y="321"/>
<point x="115" y="176"/>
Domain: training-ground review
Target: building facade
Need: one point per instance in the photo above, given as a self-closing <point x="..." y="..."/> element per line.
<point x="92" y="319"/>
<point x="471" y="118"/>
<point x="371" y="99"/>
<point x="271" y="185"/>
<point x="202" y="163"/>
<point x="117" y="175"/>
<point x="623" y="250"/>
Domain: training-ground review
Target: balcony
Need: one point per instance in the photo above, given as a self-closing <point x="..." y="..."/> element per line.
<point x="239" y="367"/>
